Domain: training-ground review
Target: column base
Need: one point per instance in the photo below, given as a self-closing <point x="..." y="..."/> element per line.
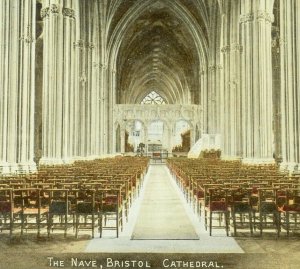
<point x="231" y="158"/>
<point x="67" y="160"/>
<point x="50" y="161"/>
<point x="26" y="168"/>
<point x="111" y="155"/>
<point x="89" y="158"/>
<point x="4" y="168"/>
<point x="284" y="166"/>
<point x="17" y="168"/>
<point x="258" y="161"/>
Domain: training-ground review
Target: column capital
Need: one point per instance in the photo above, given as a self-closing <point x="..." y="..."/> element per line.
<point x="68" y="12"/>
<point x="81" y="44"/>
<point x="215" y="67"/>
<point x="212" y="68"/>
<point x="103" y="66"/>
<point x="262" y="15"/>
<point x="282" y="41"/>
<point x="249" y="17"/>
<point x="225" y="49"/>
<point x="236" y="47"/>
<point x="54" y="9"/>
<point x="96" y="65"/>
<point x="45" y="12"/>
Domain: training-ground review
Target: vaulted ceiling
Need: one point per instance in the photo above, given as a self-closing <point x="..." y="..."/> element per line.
<point x="163" y="47"/>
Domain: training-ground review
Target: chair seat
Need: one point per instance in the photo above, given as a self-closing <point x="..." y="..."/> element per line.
<point x="5" y="207"/>
<point x="241" y="207"/>
<point x="291" y="208"/>
<point x="33" y="211"/>
<point x="200" y="194"/>
<point x="268" y="207"/>
<point x="218" y="206"/>
<point x="85" y="208"/>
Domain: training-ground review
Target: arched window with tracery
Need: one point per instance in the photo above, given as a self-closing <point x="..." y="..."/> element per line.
<point x="153" y="98"/>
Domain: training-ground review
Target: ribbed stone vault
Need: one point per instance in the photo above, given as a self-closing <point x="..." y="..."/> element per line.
<point x="159" y="52"/>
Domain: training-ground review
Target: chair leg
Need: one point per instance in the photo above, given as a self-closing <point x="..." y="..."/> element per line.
<point x="76" y="225"/>
<point x="287" y="223"/>
<point x="234" y="222"/>
<point x="65" y="224"/>
<point x="227" y="223"/>
<point x="93" y="224"/>
<point x="277" y="223"/>
<point x="49" y="224"/>
<point x="11" y="225"/>
<point x="210" y="222"/>
<point x="250" y="223"/>
<point x="260" y="223"/>
<point x="100" y="224"/>
<point x="205" y="219"/>
<point x="117" y="224"/>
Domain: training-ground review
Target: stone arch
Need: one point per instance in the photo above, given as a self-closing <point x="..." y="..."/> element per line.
<point x="190" y="24"/>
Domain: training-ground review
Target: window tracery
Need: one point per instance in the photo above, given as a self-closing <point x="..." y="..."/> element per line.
<point x="153" y="98"/>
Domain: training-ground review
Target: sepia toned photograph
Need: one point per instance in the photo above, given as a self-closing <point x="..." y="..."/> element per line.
<point x="150" y="134"/>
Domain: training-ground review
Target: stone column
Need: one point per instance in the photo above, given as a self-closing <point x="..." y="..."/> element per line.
<point x="96" y="77"/>
<point x="123" y="129"/>
<point x="234" y="81"/>
<point x="110" y="102"/>
<point x="58" y="110"/>
<point x="223" y="75"/>
<point x="192" y="137"/>
<point x="225" y="101"/>
<point x="231" y="51"/>
<point x="256" y="97"/>
<point x="17" y="55"/>
<point x="290" y="82"/>
<point x="102" y="107"/>
<point x="26" y="88"/>
<point x="211" y="121"/>
<point x="204" y="100"/>
<point x="4" y="59"/>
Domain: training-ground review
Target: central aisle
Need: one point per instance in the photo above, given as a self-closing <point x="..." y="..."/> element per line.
<point x="161" y="212"/>
<point x="162" y="215"/>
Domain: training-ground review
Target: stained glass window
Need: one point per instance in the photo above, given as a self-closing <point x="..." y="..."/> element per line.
<point x="153" y="98"/>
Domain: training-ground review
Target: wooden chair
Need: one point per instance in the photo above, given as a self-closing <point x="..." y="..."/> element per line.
<point x="87" y="214"/>
<point x="290" y="210"/>
<point x="33" y="214"/>
<point x="8" y="211"/>
<point x="268" y="214"/>
<point x="241" y="210"/>
<point x="110" y="210"/>
<point x="217" y="204"/>
<point x="60" y="215"/>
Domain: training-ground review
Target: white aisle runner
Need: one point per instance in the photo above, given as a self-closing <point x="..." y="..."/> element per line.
<point x="162" y="215"/>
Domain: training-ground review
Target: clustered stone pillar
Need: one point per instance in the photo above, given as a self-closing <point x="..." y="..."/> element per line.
<point x="212" y="77"/>
<point x="256" y="19"/>
<point x="103" y="78"/>
<point x="290" y="82"/>
<point x="204" y="99"/>
<point x="229" y="102"/>
<point x="85" y="102"/>
<point x="58" y="81"/>
<point x="17" y="57"/>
